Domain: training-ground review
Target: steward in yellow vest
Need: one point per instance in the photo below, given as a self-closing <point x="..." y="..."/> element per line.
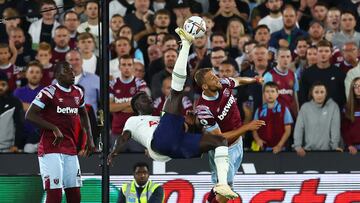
<point x="141" y="189"/>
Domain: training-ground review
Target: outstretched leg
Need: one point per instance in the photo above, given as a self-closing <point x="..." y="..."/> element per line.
<point x="173" y="103"/>
<point x="221" y="158"/>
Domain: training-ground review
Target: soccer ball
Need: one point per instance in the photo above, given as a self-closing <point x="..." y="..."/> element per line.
<point x="195" y="26"/>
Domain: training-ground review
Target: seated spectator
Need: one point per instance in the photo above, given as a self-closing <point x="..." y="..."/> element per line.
<point x="125" y="31"/>
<point x="316" y="32"/>
<point x="116" y="22"/>
<point x="234" y="30"/>
<point x="209" y="22"/>
<point x="274" y="135"/>
<point x="350" y="53"/>
<point x="6" y="67"/>
<point x="24" y="52"/>
<point x="139" y="69"/>
<point x="44" y="56"/>
<point x="347" y="30"/>
<point x="79" y="9"/>
<point x="350" y="76"/>
<point x="288" y="85"/>
<point x="61" y="39"/>
<point x="11" y="119"/>
<point x="138" y="18"/>
<point x="324" y="72"/>
<point x="86" y="45"/>
<point x="287" y="36"/>
<point x="122" y="47"/>
<point x="299" y="54"/>
<point x="310" y="60"/>
<point x="89" y="81"/>
<point x="274" y="21"/>
<point x="92" y="24"/>
<point x="160" y="101"/>
<point x="227" y="10"/>
<point x="26" y="95"/>
<point x="318" y="123"/>
<point x="332" y="21"/>
<point x="72" y="22"/>
<point x="170" y="57"/>
<point x="350" y="127"/>
<point x="199" y="51"/>
<point x="43" y="30"/>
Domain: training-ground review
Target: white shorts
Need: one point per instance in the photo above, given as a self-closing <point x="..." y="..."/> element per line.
<point x="60" y="171"/>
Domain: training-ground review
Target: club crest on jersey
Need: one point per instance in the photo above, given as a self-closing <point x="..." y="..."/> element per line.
<point x="61" y="99"/>
<point x="132" y="90"/>
<point x="117" y="91"/>
<point x="77" y="100"/>
<point x="56" y="181"/>
<point x="227" y="93"/>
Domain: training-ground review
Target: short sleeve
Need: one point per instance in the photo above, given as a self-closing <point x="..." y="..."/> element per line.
<point x="228" y="83"/>
<point x="287" y="117"/>
<point x="256" y="115"/>
<point x="206" y="118"/>
<point x="44" y="97"/>
<point x="268" y="78"/>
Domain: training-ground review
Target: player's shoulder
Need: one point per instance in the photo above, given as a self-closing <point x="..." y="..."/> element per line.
<point x="49" y="91"/>
<point x="78" y="89"/>
<point x="139" y="82"/>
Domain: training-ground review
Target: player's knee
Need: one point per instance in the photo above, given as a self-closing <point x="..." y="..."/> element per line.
<point x="220" y="141"/>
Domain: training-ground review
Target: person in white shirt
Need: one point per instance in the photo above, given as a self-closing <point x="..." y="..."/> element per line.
<point x="166" y="138"/>
<point x="86" y="45"/>
<point x="274" y="20"/>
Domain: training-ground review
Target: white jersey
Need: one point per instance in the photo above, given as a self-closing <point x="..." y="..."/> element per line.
<point x="142" y="130"/>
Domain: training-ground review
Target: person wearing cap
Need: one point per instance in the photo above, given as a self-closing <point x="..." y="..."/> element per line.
<point x="11" y="119"/>
<point x="316" y="31"/>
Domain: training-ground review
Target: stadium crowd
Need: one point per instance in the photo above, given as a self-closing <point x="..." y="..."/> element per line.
<point x="306" y="51"/>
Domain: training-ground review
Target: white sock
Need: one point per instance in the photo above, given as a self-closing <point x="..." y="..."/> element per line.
<point x="221" y="159"/>
<point x="179" y="73"/>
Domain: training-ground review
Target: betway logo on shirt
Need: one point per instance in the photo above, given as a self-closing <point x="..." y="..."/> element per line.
<point x="66" y="110"/>
<point x="122" y="100"/>
<point x="286" y="91"/>
<point x="226" y="108"/>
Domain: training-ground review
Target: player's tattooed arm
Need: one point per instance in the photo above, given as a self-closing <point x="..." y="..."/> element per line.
<point x="33" y="115"/>
<point x="119" y="144"/>
<point x="85" y="123"/>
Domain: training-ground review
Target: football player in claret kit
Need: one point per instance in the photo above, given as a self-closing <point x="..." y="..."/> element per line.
<point x="165" y="137"/>
<point x="55" y="110"/>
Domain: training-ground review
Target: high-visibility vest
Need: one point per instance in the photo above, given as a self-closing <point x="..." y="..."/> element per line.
<point x="129" y="191"/>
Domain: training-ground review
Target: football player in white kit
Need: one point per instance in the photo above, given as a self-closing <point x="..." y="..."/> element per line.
<point x="165" y="137"/>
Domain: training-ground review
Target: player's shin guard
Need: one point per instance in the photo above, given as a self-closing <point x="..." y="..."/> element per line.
<point x="73" y="195"/>
<point x="179" y="73"/>
<point x="53" y="195"/>
<point x="222" y="163"/>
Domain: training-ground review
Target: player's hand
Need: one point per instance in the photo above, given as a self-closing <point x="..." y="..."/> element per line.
<point x="58" y="136"/>
<point x="260" y="142"/>
<point x="89" y="147"/>
<point x="352" y="150"/>
<point x="110" y="158"/>
<point x="300" y="152"/>
<point x="277" y="149"/>
<point x="14" y="149"/>
<point x="255" y="125"/>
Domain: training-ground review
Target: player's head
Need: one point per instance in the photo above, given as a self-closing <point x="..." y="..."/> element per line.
<point x="207" y="80"/>
<point x="141" y="173"/>
<point x="3" y="84"/>
<point x="142" y="104"/>
<point x="64" y="73"/>
<point x="270" y="92"/>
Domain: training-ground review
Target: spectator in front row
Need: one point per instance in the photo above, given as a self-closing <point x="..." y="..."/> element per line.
<point x="274" y="135"/>
<point x="11" y="119"/>
<point x="121" y="91"/>
<point x="318" y="123"/>
<point x="351" y="122"/>
<point x="26" y="95"/>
